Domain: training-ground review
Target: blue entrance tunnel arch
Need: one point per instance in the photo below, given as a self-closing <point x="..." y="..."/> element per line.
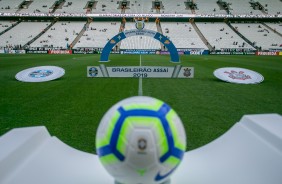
<point x="135" y="32"/>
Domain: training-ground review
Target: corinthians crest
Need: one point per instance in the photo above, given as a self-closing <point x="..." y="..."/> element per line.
<point x="238" y="75"/>
<point x="187" y="72"/>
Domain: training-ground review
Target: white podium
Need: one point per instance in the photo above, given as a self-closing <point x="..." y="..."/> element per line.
<point x="249" y="153"/>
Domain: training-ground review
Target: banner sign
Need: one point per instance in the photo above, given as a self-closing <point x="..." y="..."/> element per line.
<point x="149" y="15"/>
<point x="138" y="51"/>
<point x="138" y="32"/>
<point x="84" y="52"/>
<point x="280" y="53"/>
<point x="141" y="71"/>
<point x="2" y="52"/>
<point x="203" y="52"/>
<point x="232" y="53"/>
<point x="267" y="53"/>
<point x="36" y="51"/>
<point x="9" y="51"/>
<point x="59" y="51"/>
<point x="168" y="53"/>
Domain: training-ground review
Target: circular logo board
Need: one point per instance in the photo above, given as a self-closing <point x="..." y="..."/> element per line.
<point x="40" y="74"/>
<point x="238" y="75"/>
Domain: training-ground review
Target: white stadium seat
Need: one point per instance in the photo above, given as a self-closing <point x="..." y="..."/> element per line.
<point x="98" y="34"/>
<point x="21" y="34"/>
<point x="61" y="34"/>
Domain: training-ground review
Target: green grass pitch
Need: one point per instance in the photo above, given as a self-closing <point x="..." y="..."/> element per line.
<point x="72" y="106"/>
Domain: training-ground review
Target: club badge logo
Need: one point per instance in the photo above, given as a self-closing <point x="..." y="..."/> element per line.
<point x="40" y="73"/>
<point x="187" y="72"/>
<point x="93" y="72"/>
<point x="140" y="24"/>
<point x="238" y="75"/>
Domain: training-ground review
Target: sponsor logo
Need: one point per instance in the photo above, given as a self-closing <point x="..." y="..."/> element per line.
<point x="60" y="52"/>
<point x="195" y="53"/>
<point x="40" y="73"/>
<point x="160" y="177"/>
<point x="142" y="144"/>
<point x="36" y="52"/>
<point x="267" y="53"/>
<point x="238" y="75"/>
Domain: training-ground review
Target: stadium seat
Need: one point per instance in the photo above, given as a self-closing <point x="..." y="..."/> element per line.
<point x="183" y="35"/>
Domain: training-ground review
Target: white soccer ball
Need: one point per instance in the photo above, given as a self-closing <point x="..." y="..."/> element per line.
<point x="140" y="140"/>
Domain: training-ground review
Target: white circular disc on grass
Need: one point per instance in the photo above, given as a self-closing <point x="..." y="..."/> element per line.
<point x="40" y="74"/>
<point x="238" y="75"/>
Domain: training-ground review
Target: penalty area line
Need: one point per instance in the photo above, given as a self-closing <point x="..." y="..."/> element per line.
<point x="140" y="87"/>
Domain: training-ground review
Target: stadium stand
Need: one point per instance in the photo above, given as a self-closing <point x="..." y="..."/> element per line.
<point x="210" y="35"/>
<point x="272" y="7"/>
<point x="9" y="6"/>
<point x="5" y="25"/>
<point x="107" y="6"/>
<point x="275" y="26"/>
<point x="219" y="35"/>
<point x="38" y="6"/>
<point x="140" y="42"/>
<point x="208" y="7"/>
<point x="73" y="7"/>
<point x="176" y="6"/>
<point x="182" y="34"/>
<point x="21" y="34"/>
<point x="242" y="7"/>
<point x="98" y="34"/>
<point x="260" y="35"/>
<point x="140" y="7"/>
<point x="60" y="35"/>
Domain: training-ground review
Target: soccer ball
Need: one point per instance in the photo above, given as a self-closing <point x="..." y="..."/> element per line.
<point x="140" y="140"/>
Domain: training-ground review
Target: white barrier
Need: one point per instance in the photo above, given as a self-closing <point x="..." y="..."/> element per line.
<point x="249" y="153"/>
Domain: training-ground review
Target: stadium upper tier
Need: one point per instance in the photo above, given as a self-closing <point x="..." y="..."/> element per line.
<point x="21" y="34"/>
<point x="97" y="34"/>
<point x="260" y="35"/>
<point x="184" y="35"/>
<point x="60" y="35"/>
<point x="198" y="7"/>
<point x="220" y="36"/>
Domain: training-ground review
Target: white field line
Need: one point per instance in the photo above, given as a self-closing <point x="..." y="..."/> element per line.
<point x="140" y="88"/>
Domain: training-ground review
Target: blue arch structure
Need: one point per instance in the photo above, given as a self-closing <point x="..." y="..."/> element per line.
<point x="144" y="32"/>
